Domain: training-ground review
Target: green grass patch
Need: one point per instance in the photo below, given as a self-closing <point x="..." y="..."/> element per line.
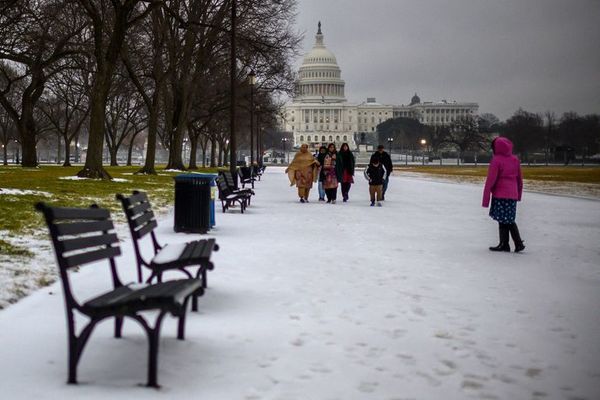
<point x="18" y="216"/>
<point x="7" y="249"/>
<point x="558" y="174"/>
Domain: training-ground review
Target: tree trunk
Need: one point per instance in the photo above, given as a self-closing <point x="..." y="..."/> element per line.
<point x="129" y="151"/>
<point x="149" y="167"/>
<point x="67" y="162"/>
<point x="58" y="149"/>
<point x="193" y="152"/>
<point x="113" y="156"/>
<point x="27" y="131"/>
<point x="5" y="154"/>
<point x="93" y="162"/>
<point x="204" y="156"/>
<point x="213" y="153"/>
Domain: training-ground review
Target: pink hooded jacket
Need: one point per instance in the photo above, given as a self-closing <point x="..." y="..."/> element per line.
<point x="504" y="179"/>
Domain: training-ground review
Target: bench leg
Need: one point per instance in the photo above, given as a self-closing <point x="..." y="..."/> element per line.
<point x="153" y="341"/>
<point x="76" y="345"/>
<point x="181" y="322"/>
<point x="118" y="326"/>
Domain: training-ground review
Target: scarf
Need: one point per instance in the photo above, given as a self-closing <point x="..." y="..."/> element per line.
<point x="301" y="162"/>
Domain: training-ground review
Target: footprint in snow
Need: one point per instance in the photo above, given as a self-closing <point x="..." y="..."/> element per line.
<point x="368" y="387"/>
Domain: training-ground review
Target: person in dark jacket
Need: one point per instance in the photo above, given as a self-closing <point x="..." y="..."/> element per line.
<point x="375" y="173"/>
<point x="346" y="161"/>
<point x="321" y="159"/>
<point x="331" y="171"/>
<point x="504" y="184"/>
<point x="386" y="160"/>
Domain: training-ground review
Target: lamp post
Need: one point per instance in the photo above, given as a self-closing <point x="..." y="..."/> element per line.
<point x="232" y="105"/>
<point x="252" y="82"/>
<point x="423" y="143"/>
<point x="17" y="151"/>
<point x="77" y="150"/>
<point x="185" y="142"/>
<point x="258" y="138"/>
<point x="390" y="140"/>
<point x="284" y="141"/>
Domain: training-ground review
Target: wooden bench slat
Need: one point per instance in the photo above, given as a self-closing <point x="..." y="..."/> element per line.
<point x="142" y="219"/>
<point x="91" y="256"/>
<point x="76" y="228"/>
<point x="85" y="242"/>
<point x="138" y="209"/>
<point x="146" y="229"/>
<point x="78" y="213"/>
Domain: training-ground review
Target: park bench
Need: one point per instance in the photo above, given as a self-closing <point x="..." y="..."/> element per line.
<point x="246" y="176"/>
<point x="258" y="170"/>
<point x="82" y="236"/>
<point x="228" y="177"/>
<point x="172" y="256"/>
<point x="228" y="197"/>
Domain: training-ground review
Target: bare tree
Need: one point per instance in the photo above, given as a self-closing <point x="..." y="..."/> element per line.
<point x="66" y="106"/>
<point x="464" y="133"/>
<point x="143" y="57"/>
<point x="125" y="116"/>
<point x="549" y="136"/>
<point x="34" y="37"/>
<point x="7" y="134"/>
<point x="110" y="22"/>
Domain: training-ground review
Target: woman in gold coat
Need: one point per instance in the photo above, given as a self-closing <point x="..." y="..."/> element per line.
<point x="302" y="172"/>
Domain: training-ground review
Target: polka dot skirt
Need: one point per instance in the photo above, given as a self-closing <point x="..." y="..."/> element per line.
<point x="503" y="210"/>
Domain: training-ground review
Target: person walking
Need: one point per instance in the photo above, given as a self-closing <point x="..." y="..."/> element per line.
<point x="331" y="173"/>
<point x="302" y="172"/>
<point x="321" y="159"/>
<point x="375" y="173"/>
<point x="386" y="160"/>
<point x="346" y="162"/>
<point x="504" y="184"/>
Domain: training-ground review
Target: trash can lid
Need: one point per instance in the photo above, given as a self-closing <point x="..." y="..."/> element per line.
<point x="196" y="175"/>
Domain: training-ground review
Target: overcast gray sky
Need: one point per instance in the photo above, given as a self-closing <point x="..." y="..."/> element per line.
<point x="503" y="54"/>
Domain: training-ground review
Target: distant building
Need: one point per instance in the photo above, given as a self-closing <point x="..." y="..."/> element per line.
<point x="319" y="112"/>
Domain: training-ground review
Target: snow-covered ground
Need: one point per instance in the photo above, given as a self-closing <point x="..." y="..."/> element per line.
<point x="345" y="301"/>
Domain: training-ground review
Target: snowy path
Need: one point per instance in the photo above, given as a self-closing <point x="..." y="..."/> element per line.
<point x="315" y="301"/>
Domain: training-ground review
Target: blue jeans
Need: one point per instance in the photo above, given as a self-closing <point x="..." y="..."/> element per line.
<point x="385" y="184"/>
<point x="321" y="190"/>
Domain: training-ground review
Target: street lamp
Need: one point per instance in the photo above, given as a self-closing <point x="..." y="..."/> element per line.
<point x="423" y="143"/>
<point x="284" y="141"/>
<point x="17" y="150"/>
<point x="390" y="140"/>
<point x="252" y="83"/>
<point x="232" y="84"/>
<point x="258" y="137"/>
<point x="185" y="142"/>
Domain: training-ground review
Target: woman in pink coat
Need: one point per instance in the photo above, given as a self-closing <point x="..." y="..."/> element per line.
<point x="505" y="185"/>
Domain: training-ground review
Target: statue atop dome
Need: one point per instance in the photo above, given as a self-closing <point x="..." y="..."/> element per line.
<point x="415" y="100"/>
<point x="319" y="31"/>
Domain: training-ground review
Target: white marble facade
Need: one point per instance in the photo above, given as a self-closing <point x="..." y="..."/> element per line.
<point x="320" y="114"/>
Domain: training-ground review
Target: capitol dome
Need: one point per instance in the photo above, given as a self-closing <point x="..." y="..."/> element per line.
<point x="319" y="77"/>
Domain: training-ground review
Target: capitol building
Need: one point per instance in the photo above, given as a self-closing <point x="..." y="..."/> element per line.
<point x="319" y="113"/>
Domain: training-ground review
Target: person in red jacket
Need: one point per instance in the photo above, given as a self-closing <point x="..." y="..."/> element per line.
<point x="504" y="184"/>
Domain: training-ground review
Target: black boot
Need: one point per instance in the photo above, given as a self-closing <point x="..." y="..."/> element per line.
<point x="503" y="245"/>
<point x="516" y="237"/>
